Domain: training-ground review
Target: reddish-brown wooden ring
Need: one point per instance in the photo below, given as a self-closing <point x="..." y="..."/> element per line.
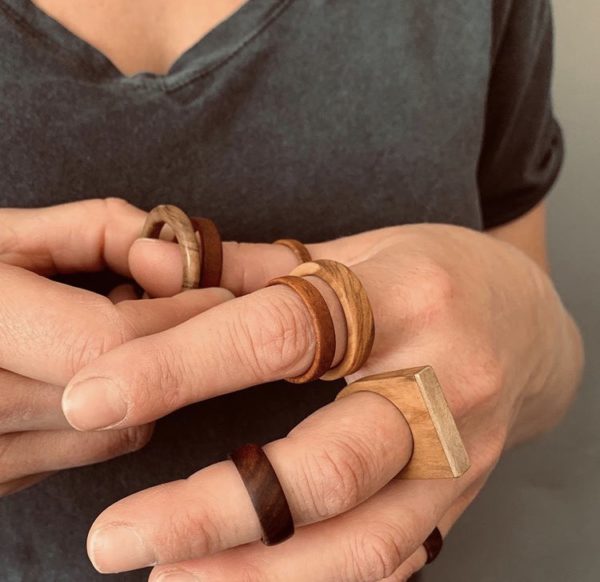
<point x="212" y="252"/>
<point x="322" y="324"/>
<point x="301" y="252"/>
<point x="266" y="493"/>
<point x="433" y="545"/>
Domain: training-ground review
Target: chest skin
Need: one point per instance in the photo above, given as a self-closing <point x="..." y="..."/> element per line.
<point x="140" y="35"/>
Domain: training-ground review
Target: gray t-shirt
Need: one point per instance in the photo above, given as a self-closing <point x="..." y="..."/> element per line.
<point x="308" y="119"/>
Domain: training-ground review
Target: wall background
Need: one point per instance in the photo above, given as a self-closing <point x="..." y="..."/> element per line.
<point x="537" y="519"/>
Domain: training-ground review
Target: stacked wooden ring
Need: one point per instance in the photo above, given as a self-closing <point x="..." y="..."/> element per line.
<point x="355" y="305"/>
<point x="199" y="243"/>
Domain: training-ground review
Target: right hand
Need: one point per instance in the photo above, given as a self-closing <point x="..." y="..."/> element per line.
<point x="48" y="330"/>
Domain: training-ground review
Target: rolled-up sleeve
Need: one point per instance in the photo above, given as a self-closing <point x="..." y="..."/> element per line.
<point x="523" y="147"/>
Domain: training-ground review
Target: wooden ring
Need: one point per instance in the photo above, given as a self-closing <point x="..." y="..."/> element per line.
<point x="433" y="545"/>
<point x="438" y="449"/>
<point x="184" y="232"/>
<point x="266" y="493"/>
<point x="321" y="322"/>
<point x="357" y="311"/>
<point x="301" y="252"/>
<point x="212" y="252"/>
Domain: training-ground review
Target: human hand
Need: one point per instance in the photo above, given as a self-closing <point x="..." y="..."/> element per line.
<point x="50" y="330"/>
<point x="478" y="310"/>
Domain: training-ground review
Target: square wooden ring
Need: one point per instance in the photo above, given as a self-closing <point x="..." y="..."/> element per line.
<point x="438" y="452"/>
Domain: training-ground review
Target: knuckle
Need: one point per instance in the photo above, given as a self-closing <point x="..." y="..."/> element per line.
<point x="485" y="376"/>
<point x="137" y="437"/>
<point x="121" y="442"/>
<point x="190" y="533"/>
<point x="376" y="553"/>
<point x="271" y="338"/>
<point x="162" y="380"/>
<point x="336" y="479"/>
<point x="436" y="290"/>
<point x="109" y="332"/>
<point x="8" y="467"/>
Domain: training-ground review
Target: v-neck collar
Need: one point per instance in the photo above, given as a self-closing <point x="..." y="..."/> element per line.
<point x="209" y="52"/>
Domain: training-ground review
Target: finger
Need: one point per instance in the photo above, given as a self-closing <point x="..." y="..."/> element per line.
<point x="254" y="339"/>
<point x="123" y="292"/>
<point x="417" y="560"/>
<point x="156" y="264"/>
<point x="17" y="485"/>
<point x="29" y="405"/>
<point x="80" y="325"/>
<point x="27" y="453"/>
<point x="336" y="458"/>
<point x="79" y="236"/>
<point x="367" y="543"/>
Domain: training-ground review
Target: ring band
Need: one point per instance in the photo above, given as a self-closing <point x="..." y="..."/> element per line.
<point x="433" y="545"/>
<point x="438" y="449"/>
<point x="357" y="311"/>
<point x="212" y="252"/>
<point x="266" y="493"/>
<point x="322" y="323"/>
<point x="184" y="232"/>
<point x="301" y="252"/>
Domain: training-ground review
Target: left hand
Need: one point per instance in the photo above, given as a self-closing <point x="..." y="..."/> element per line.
<point x="477" y="309"/>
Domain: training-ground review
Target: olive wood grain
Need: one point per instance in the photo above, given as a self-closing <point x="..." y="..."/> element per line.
<point x="357" y="312"/>
<point x="301" y="252"/>
<point x="189" y="245"/>
<point x="266" y="493"/>
<point x="212" y="252"/>
<point x="322" y="323"/>
<point x="438" y="450"/>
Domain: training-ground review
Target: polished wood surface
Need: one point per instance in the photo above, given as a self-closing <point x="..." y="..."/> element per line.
<point x="182" y="227"/>
<point x="433" y="545"/>
<point x="357" y="311"/>
<point x="322" y="323"/>
<point x="301" y="252"/>
<point x="438" y="450"/>
<point x="212" y="252"/>
<point x="266" y="493"/>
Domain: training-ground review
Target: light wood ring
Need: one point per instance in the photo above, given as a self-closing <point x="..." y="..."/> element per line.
<point x="301" y="252"/>
<point x="183" y="229"/>
<point x="357" y="311"/>
<point x="212" y="252"/>
<point x="321" y="322"/>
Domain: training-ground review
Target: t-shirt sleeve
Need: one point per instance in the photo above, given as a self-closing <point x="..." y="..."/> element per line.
<point x="522" y="148"/>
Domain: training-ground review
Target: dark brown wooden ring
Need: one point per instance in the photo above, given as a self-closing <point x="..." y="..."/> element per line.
<point x="433" y="545"/>
<point x="189" y="245"/>
<point x="212" y="252"/>
<point x="265" y="492"/>
<point x="301" y="252"/>
<point x="322" y="324"/>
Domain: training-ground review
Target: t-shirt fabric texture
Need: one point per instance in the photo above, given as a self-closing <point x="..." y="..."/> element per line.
<point x="308" y="119"/>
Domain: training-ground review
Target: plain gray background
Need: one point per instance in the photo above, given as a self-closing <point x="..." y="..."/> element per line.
<point x="538" y="517"/>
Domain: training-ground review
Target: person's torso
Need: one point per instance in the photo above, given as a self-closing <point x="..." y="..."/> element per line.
<point x="309" y="120"/>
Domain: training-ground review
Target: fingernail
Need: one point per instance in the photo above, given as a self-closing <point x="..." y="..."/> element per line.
<point x="117" y="548"/>
<point x="94" y="404"/>
<point x="178" y="576"/>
